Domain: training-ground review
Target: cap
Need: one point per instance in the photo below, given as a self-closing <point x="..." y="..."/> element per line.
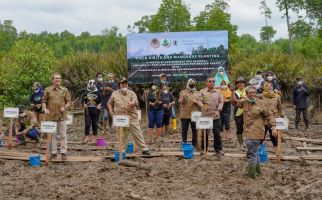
<point x="240" y="79"/>
<point x="110" y="75"/>
<point x="162" y="75"/>
<point x="299" y="78"/>
<point x="21" y="108"/>
<point x="123" y="79"/>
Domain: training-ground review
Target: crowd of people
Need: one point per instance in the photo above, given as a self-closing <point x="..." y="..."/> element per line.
<point x="254" y="106"/>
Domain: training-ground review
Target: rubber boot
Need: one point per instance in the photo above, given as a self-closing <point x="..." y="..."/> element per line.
<point x="297" y="125"/>
<point x="251" y="171"/>
<point x="258" y="168"/>
<point x="240" y="139"/>
<point x="307" y="125"/>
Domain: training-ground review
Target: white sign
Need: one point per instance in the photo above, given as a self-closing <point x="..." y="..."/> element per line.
<point x="121" y="121"/>
<point x="11" y="112"/>
<point x="48" y="127"/>
<point x="195" y="116"/>
<point x="282" y="123"/>
<point x="70" y="119"/>
<point x="205" y="123"/>
<point x="139" y="114"/>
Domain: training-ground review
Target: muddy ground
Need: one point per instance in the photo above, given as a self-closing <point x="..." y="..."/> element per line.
<point x="170" y="177"/>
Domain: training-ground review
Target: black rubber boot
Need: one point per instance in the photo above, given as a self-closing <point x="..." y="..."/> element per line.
<point x="251" y="171"/>
<point x="258" y="168"/>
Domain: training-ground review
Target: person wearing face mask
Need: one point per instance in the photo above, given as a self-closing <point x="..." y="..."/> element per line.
<point x="258" y="80"/>
<point x="300" y="96"/>
<point x="226" y="110"/>
<point x="187" y="106"/>
<point x="155" y="110"/>
<point x="168" y="101"/>
<point x="108" y="88"/>
<point x="221" y="76"/>
<point x="100" y="86"/>
<point x="26" y="125"/>
<point x="91" y="101"/>
<point x="211" y="102"/>
<point x="270" y="77"/>
<point x="124" y="102"/>
<point x="274" y="104"/>
<point x="256" y="115"/>
<point x="163" y="79"/>
<point x="240" y="93"/>
<point x="35" y="101"/>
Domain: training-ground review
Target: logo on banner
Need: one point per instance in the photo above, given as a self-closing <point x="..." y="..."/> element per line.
<point x="155" y="43"/>
<point x="165" y="42"/>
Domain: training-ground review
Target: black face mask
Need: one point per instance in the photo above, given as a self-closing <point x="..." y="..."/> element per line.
<point x="192" y="86"/>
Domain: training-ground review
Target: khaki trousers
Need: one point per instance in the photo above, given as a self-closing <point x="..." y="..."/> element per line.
<point x="61" y="131"/>
<point x="136" y="134"/>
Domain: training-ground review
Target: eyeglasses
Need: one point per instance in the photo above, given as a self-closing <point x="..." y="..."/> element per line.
<point x="211" y="81"/>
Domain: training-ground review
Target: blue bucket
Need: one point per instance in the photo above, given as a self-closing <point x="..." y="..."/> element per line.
<point x="262" y="154"/>
<point x="34" y="160"/>
<point x="117" y="156"/>
<point x="188" y="151"/>
<point x="183" y="145"/>
<point x="130" y="148"/>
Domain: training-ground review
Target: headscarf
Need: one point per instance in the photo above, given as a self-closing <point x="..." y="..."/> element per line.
<point x="227" y="92"/>
<point x="190" y="81"/>
<point x="37" y="87"/>
<point x="269" y="94"/>
<point x="91" y="86"/>
<point x="219" y="78"/>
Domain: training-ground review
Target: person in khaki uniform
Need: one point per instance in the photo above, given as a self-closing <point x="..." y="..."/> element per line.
<point x="26" y="125"/>
<point x="255" y="115"/>
<point x="274" y="104"/>
<point x="187" y="106"/>
<point x="124" y="102"/>
<point x="211" y="103"/>
<point x="55" y="102"/>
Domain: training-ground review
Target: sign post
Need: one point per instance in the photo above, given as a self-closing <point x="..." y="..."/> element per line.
<point x="204" y="123"/>
<point x="195" y="115"/>
<point x="281" y="124"/>
<point x="49" y="128"/>
<point x="10" y="113"/>
<point x="121" y="121"/>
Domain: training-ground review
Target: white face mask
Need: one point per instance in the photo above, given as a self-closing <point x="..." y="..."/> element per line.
<point x="154" y="87"/>
<point x="224" y="87"/>
<point x="258" y="77"/>
<point x="124" y="90"/>
<point x="165" y="91"/>
<point x="270" y="78"/>
<point x="111" y="81"/>
<point x="221" y="73"/>
<point x="300" y="82"/>
<point x="22" y="114"/>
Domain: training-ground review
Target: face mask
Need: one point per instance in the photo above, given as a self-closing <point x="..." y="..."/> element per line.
<point x="258" y="77"/>
<point x="224" y="87"/>
<point x="100" y="79"/>
<point x="92" y="87"/>
<point x="163" y="81"/>
<point x="221" y="73"/>
<point x="111" y="81"/>
<point x="270" y="78"/>
<point x="124" y="90"/>
<point x="300" y="82"/>
<point x="154" y="87"/>
<point x="22" y="114"/>
<point x="165" y="91"/>
<point x="192" y="86"/>
<point x="252" y="101"/>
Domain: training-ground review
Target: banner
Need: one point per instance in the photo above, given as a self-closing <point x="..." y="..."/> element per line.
<point x="179" y="55"/>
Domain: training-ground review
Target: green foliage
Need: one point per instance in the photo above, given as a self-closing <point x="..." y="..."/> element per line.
<point x="173" y="16"/>
<point x="300" y="29"/>
<point x="26" y="63"/>
<point x="8" y="35"/>
<point x="77" y="69"/>
<point x="267" y="33"/>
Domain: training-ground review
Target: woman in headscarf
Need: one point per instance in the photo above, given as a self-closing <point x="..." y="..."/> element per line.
<point x="155" y="110"/>
<point x="91" y="101"/>
<point x="273" y="103"/>
<point x="187" y="106"/>
<point x="226" y="110"/>
<point x="35" y="101"/>
<point x="221" y="76"/>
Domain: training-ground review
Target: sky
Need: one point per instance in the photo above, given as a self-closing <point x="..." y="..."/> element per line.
<point x="76" y="16"/>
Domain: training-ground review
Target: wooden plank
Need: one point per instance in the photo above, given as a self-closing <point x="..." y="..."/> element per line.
<point x="81" y="148"/>
<point x="304" y="140"/>
<point x="309" y="148"/>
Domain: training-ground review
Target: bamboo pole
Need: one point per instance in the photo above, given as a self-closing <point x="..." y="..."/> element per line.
<point x="121" y="144"/>
<point x="279" y="143"/>
<point x="10" y="133"/>
<point x="49" y="136"/>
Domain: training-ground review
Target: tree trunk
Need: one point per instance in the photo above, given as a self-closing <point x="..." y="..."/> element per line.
<point x="288" y="27"/>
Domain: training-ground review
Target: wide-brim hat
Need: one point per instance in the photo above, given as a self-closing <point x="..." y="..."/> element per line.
<point x="110" y="75"/>
<point x="162" y="75"/>
<point x="123" y="80"/>
<point x="240" y="79"/>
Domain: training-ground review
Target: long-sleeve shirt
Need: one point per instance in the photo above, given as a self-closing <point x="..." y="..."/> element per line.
<point x="300" y="96"/>
<point x="255" y="115"/>
<point x="187" y="106"/>
<point x="28" y="122"/>
<point x="211" y="102"/>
